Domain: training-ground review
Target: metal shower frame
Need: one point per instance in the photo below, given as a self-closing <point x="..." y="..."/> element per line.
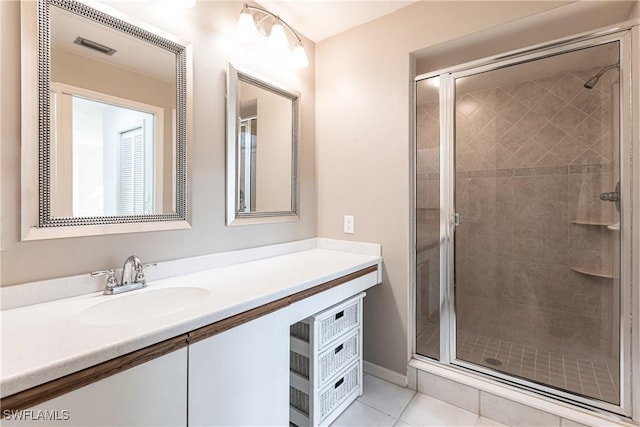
<point x="630" y="213"/>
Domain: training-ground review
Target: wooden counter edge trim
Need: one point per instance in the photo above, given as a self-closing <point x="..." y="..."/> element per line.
<point x="331" y="284"/>
<point x="254" y="313"/>
<point x="236" y="320"/>
<point x="54" y="388"/>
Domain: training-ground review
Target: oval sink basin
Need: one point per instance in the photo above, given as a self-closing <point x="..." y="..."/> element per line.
<point x="140" y="306"/>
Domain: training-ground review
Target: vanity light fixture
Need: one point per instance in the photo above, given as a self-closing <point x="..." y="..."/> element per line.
<point x="254" y="20"/>
<point x="183" y="4"/>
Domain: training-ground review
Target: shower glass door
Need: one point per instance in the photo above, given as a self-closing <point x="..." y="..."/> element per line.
<point x="537" y="266"/>
<point x="428" y="213"/>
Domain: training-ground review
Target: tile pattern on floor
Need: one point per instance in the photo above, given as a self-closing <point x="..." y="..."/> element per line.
<point x="386" y="404"/>
<point x="579" y="375"/>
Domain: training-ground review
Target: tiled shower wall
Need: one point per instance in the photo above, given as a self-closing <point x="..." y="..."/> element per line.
<point x="428" y="219"/>
<point x="532" y="159"/>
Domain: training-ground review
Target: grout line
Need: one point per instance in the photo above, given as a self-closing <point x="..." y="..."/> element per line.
<point x="415" y="393"/>
<point x="373" y="407"/>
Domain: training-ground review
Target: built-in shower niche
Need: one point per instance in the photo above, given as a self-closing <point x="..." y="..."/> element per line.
<point x="593" y="222"/>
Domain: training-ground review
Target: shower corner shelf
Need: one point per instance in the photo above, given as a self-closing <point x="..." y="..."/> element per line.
<point x="592" y="272"/>
<point x="609" y="225"/>
<point x="591" y="222"/>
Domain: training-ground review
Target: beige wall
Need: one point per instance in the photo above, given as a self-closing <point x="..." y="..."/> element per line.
<point x="363" y="142"/>
<point x="273" y="162"/>
<point x="635" y="12"/>
<point x="579" y="17"/>
<point x="209" y="27"/>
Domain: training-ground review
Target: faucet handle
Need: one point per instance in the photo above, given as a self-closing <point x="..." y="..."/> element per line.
<point x="140" y="272"/>
<point x="112" y="282"/>
<point x="111" y="273"/>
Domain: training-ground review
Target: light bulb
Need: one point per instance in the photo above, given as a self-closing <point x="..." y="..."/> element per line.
<point x="300" y="56"/>
<point x="246" y="29"/>
<point x="277" y="38"/>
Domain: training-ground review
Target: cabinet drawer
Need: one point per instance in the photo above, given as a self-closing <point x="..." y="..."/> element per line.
<point x="335" y="358"/>
<point x="328" y="325"/>
<point x="337" y="392"/>
<point x="330" y="361"/>
<point x="337" y="320"/>
<point x="346" y="387"/>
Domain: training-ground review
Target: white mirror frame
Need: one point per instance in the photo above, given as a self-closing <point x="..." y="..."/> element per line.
<point x="37" y="221"/>
<point x="234" y="76"/>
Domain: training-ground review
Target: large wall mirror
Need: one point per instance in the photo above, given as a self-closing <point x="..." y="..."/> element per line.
<point x="262" y="132"/>
<point x="110" y="128"/>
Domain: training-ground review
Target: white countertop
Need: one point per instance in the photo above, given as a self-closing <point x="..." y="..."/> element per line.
<point x="46" y="341"/>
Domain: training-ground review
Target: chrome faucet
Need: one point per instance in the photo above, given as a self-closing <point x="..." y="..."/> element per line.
<point x="132" y="272"/>
<point x="132" y="276"/>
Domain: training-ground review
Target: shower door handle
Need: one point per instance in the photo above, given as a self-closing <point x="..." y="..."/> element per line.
<point x="457" y="219"/>
<point x="612" y="196"/>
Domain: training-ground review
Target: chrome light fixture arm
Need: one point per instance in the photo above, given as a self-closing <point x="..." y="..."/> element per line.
<point x="248" y="26"/>
<point x="275" y="17"/>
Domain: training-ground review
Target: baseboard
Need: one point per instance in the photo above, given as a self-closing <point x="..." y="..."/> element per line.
<point x="385" y="374"/>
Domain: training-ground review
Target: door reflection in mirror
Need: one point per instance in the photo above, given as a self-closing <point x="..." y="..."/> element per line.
<point x="264" y="152"/>
<point x="106" y="149"/>
<point x="247" y="163"/>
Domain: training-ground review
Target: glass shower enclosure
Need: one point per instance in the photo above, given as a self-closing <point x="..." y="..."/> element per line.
<point x="522" y="178"/>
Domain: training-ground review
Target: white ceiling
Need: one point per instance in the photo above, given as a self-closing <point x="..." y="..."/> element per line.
<point x="321" y="19"/>
<point x="66" y="26"/>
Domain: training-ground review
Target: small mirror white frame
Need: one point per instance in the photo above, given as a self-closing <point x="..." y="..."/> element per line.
<point x="235" y="214"/>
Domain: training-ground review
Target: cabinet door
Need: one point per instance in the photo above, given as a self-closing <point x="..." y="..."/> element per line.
<point x="241" y="376"/>
<point x="151" y="394"/>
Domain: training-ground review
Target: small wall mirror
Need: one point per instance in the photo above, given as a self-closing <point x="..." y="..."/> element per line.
<point x="262" y="140"/>
<point x="112" y="119"/>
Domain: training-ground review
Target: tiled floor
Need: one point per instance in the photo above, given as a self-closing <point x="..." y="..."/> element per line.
<point x="579" y="375"/>
<point x="386" y="404"/>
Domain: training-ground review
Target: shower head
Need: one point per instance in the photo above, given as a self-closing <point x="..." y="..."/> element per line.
<point x="591" y="83"/>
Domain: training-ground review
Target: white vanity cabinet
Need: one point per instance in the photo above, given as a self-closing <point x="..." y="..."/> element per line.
<point x="151" y="394"/>
<point x="241" y="376"/>
<point x="227" y="364"/>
